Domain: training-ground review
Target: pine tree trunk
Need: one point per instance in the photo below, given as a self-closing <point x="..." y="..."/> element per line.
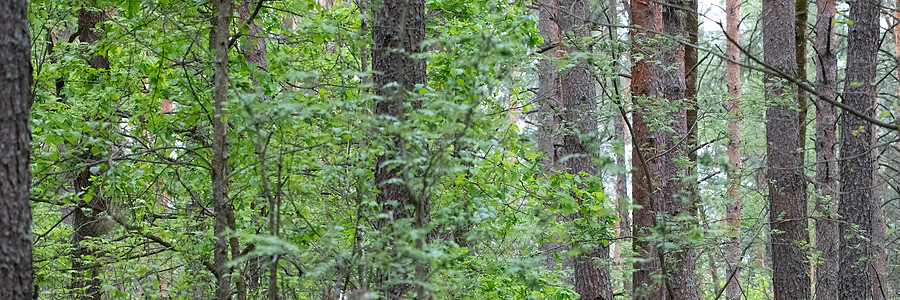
<point x="16" y="278"/>
<point x="398" y="24"/>
<point x="646" y="17"/>
<point x="787" y="193"/>
<point x="857" y="162"/>
<point x="733" y="149"/>
<point x="826" y="160"/>
<point x="801" y="22"/>
<point x="223" y="210"/>
<point x="579" y="109"/>
<point x="675" y="198"/>
<point x="88" y="219"/>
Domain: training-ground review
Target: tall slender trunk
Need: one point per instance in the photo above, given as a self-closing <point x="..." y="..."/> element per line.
<point x="579" y="108"/>
<point x="398" y="25"/>
<point x="676" y="200"/>
<point x="801" y="22"/>
<point x="733" y="209"/>
<point x="218" y="44"/>
<point x="826" y="160"/>
<point x="90" y="221"/>
<point x="549" y="100"/>
<point x="623" y="205"/>
<point x="857" y="162"/>
<point x="15" y="173"/>
<point x="787" y="195"/>
<point x="646" y="18"/>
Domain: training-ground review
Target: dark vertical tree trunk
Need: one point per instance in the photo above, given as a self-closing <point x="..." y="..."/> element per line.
<point x="801" y="22"/>
<point x="787" y="193"/>
<point x="826" y="161"/>
<point x="16" y="276"/>
<point x="88" y="219"/>
<point x="676" y="199"/>
<point x="579" y="108"/>
<point x="224" y="212"/>
<point x="398" y="25"/>
<point x="733" y="148"/>
<point x="549" y="101"/>
<point x="857" y="162"/>
<point x="646" y="17"/>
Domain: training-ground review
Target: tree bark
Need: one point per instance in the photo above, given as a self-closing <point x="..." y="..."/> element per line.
<point x="787" y="193"/>
<point x="398" y="25"/>
<point x="223" y="210"/>
<point x="826" y="160"/>
<point x="733" y="149"/>
<point x="676" y="199"/>
<point x="88" y="218"/>
<point x="15" y="152"/>
<point x="646" y="18"/>
<point x="579" y="108"/>
<point x="857" y="162"/>
<point x="801" y="22"/>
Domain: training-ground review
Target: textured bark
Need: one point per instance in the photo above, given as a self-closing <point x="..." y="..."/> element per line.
<point x="579" y="108"/>
<point x="646" y="17"/>
<point x="16" y="275"/>
<point x="801" y="11"/>
<point x="398" y="25"/>
<point x="223" y="210"/>
<point x="787" y="193"/>
<point x="254" y="47"/>
<point x="676" y="198"/>
<point x="733" y="148"/>
<point x="826" y="160"/>
<point x="856" y="162"/>
<point x="549" y="102"/>
<point x="88" y="220"/>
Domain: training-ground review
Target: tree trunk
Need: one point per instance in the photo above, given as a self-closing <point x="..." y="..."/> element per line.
<point x="88" y="218"/>
<point x="549" y="101"/>
<point x="733" y="149"/>
<point x="676" y="198"/>
<point x="787" y="195"/>
<point x="15" y="174"/>
<point x="398" y="25"/>
<point x="579" y="108"/>
<point x="826" y="160"/>
<point x="857" y="162"/>
<point x="623" y="203"/>
<point x="218" y="44"/>
<point x="646" y="17"/>
<point x="801" y="22"/>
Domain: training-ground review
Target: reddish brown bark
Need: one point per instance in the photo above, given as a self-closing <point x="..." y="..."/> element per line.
<point x="646" y="17"/>
<point x="733" y="148"/>
<point x="16" y="277"/>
